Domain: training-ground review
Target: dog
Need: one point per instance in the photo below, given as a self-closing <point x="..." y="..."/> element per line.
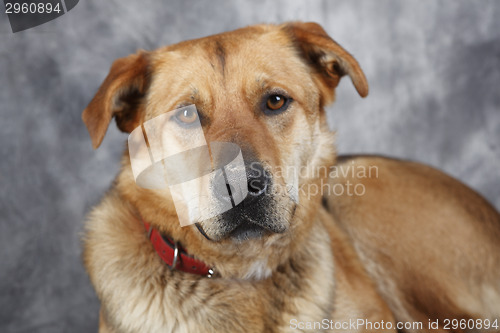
<point x="384" y="245"/>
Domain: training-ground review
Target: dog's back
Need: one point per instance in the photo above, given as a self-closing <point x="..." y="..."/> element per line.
<point x="431" y="244"/>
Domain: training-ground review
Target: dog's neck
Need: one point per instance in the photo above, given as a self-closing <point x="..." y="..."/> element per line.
<point x="254" y="260"/>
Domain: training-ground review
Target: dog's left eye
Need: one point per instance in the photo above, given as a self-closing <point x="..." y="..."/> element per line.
<point x="276" y="103"/>
<point x="186" y="117"/>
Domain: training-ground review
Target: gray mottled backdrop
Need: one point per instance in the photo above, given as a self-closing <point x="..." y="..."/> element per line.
<point x="433" y="66"/>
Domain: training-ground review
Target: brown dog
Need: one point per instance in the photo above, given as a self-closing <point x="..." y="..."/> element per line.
<point x="407" y="245"/>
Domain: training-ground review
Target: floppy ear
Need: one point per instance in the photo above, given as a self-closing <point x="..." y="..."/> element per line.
<point x="328" y="58"/>
<point x="120" y="95"/>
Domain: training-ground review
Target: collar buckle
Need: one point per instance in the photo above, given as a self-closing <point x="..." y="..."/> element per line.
<point x="176" y="256"/>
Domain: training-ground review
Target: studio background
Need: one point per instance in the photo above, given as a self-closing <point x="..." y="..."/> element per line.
<point x="434" y="74"/>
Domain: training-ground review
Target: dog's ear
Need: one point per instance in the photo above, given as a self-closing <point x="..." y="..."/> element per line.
<point x="328" y="59"/>
<point x="120" y="95"/>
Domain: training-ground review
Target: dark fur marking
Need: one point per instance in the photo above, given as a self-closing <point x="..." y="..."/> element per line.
<point x="212" y="295"/>
<point x="176" y="284"/>
<point x="324" y="202"/>
<point x="221" y="56"/>
<point x="192" y="286"/>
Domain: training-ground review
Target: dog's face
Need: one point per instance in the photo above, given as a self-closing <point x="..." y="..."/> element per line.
<point x="263" y="88"/>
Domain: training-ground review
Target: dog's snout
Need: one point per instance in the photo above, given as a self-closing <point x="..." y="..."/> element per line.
<point x="257" y="179"/>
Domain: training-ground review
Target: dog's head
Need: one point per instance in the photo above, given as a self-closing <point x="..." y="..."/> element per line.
<point x="263" y="88"/>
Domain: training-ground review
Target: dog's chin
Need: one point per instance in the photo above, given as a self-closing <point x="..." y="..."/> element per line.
<point x="247" y="231"/>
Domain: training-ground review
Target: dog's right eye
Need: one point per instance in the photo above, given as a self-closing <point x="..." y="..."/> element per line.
<point x="275" y="103"/>
<point x="186" y="117"/>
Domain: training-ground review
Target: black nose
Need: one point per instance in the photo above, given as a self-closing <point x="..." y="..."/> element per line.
<point x="257" y="179"/>
<point x="258" y="182"/>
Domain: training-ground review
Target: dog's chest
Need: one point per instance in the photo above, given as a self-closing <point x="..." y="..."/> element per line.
<point x="185" y="303"/>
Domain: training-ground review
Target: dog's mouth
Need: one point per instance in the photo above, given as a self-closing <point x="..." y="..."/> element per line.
<point x="239" y="226"/>
<point x="244" y="231"/>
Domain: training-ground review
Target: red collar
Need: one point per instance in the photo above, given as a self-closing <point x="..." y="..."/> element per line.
<point x="174" y="255"/>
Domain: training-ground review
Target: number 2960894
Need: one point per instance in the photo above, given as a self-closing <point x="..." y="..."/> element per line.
<point x="32" y="8"/>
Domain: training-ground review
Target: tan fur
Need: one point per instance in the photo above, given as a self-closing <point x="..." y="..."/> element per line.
<point x="431" y="244"/>
<point x="319" y="265"/>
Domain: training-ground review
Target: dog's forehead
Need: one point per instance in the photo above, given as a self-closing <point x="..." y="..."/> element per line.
<point x="241" y="62"/>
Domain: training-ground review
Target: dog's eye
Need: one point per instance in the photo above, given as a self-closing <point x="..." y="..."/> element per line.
<point x="275" y="103"/>
<point x="186" y="117"/>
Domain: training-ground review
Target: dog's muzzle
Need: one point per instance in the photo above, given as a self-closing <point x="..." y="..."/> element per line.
<point x="255" y="216"/>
